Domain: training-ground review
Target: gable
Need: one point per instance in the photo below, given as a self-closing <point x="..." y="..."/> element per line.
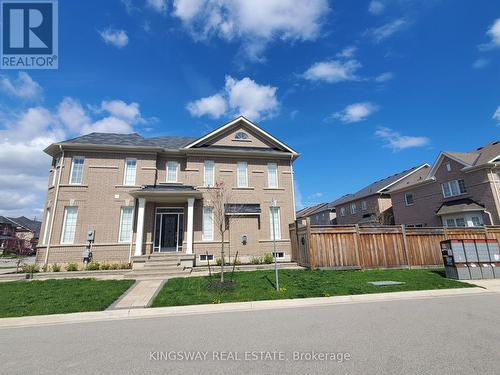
<point x="441" y="162"/>
<point x="225" y="136"/>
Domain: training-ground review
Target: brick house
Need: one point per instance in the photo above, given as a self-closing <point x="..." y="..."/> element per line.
<point x="142" y="196"/>
<point x="461" y="189"/>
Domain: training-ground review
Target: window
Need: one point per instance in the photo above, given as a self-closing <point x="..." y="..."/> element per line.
<point x="450" y="223"/>
<point x="409" y="199"/>
<point x="274" y="214"/>
<point x="76" y="176"/>
<point x="205" y="257"/>
<point x="342" y="211"/>
<point x="209" y="174"/>
<point x="364" y="205"/>
<point x="353" y="208"/>
<point x="46" y="229"/>
<point x="448" y="167"/>
<point x="208" y="224"/>
<point x="453" y="188"/>
<point x="272" y="175"/>
<point x="130" y="171"/>
<point x="476" y="221"/>
<point x="460" y="222"/>
<point x="172" y="167"/>
<point x="126" y="219"/>
<point x="279" y="254"/>
<point x="242" y="174"/>
<point x="241" y="136"/>
<point x="69" y="225"/>
<point x="54" y="173"/>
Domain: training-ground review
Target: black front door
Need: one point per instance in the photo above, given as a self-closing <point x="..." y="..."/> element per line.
<point x="169" y="232"/>
<point x="169" y="229"/>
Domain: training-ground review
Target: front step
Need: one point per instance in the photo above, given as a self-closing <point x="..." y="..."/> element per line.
<point x="160" y="273"/>
<point x="168" y="262"/>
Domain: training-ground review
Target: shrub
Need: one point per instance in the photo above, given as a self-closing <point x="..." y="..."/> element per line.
<point x="93" y="266"/>
<point x="218" y="261"/>
<point x="268" y="258"/>
<point x="114" y="266"/>
<point x="256" y="260"/>
<point x="56" y="267"/>
<point x="105" y="266"/>
<point x="124" y="266"/>
<point x="237" y="262"/>
<point x="30" y="268"/>
<point x="70" y="267"/>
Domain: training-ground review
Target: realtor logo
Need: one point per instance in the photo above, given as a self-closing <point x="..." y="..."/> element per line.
<point x="29" y="34"/>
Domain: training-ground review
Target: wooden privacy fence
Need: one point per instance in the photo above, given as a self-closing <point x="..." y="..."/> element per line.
<point x="352" y="246"/>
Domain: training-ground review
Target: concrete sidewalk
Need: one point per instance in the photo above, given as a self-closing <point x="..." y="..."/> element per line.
<point x="139" y="296"/>
<point x="119" y="314"/>
<point x="492" y="285"/>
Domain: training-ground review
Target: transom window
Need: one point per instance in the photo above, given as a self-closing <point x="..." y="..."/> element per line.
<point x="130" y="172"/>
<point x="241" y="136"/>
<point x="409" y="200"/>
<point x="453" y="188"/>
<point x="76" y="176"/>
<point x="172" y="169"/>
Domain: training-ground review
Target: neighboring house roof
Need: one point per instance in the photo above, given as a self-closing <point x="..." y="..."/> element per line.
<point x="4" y="220"/>
<point x="380" y="186"/>
<point x="480" y="156"/>
<point x="412" y="179"/>
<point x="28" y="224"/>
<point x="308" y="211"/>
<point x="459" y="205"/>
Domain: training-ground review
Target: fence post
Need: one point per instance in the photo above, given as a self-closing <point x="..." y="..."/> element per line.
<point x="356" y="244"/>
<point x="312" y="265"/>
<point x="445" y="233"/>
<point x="405" y="245"/>
<point x="485" y="232"/>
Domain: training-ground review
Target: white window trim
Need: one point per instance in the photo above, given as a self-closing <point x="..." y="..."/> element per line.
<point x="120" y="225"/>
<point x="449" y="183"/>
<point x="47" y="223"/>
<point x="54" y="173"/>
<point x="269" y="176"/>
<point x="354" y="209"/>
<point x="72" y="166"/>
<point x="203" y="237"/>
<point x="406" y="199"/>
<point x="206" y="260"/>
<point x="64" y="225"/>
<point x="364" y="206"/>
<point x="205" y="174"/>
<point x="277" y="226"/>
<point x="176" y="172"/>
<point x="238" y="174"/>
<point x="342" y="211"/>
<point x="125" y="172"/>
<point x="278" y="256"/>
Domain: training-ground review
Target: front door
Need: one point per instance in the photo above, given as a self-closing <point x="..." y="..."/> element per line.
<point x="169" y="229"/>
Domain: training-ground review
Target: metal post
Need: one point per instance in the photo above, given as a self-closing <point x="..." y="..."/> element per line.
<point x="273" y="204"/>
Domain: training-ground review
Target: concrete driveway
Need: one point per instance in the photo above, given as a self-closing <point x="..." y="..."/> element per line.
<point x="448" y="335"/>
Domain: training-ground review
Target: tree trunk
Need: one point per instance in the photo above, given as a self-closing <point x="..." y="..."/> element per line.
<point x="222" y="260"/>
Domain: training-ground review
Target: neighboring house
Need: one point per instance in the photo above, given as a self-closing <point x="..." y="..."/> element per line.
<point x="151" y="195"/>
<point x="372" y="204"/>
<point x="18" y="234"/>
<point x="320" y="214"/>
<point x="461" y="189"/>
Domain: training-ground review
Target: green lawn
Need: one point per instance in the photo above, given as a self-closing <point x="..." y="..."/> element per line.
<point x="23" y="298"/>
<point x="260" y="285"/>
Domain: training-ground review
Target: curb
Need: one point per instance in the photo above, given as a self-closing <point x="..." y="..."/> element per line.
<point x="158" y="312"/>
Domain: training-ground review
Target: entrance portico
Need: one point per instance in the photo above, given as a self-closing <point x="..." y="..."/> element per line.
<point x="174" y="211"/>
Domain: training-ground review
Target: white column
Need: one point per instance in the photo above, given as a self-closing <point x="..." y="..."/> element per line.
<point x="140" y="226"/>
<point x="189" y="249"/>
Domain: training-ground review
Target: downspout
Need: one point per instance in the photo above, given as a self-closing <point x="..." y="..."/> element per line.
<point x="293" y="189"/>
<point x="495" y="187"/>
<point x="134" y="224"/>
<point x="490" y="216"/>
<point x="54" y="207"/>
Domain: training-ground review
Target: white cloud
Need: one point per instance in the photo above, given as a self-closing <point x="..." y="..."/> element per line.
<point x="117" y="38"/>
<point x="214" y="106"/>
<point x="157" y="5"/>
<point x="118" y="108"/>
<point x="496" y="115"/>
<point x="333" y="71"/>
<point x="355" y="112"/>
<point x="253" y="23"/>
<point x="108" y="125"/>
<point x="494" y="32"/>
<point x="385" y="31"/>
<point x="72" y="115"/>
<point x="376" y="7"/>
<point x="480" y="63"/>
<point x="315" y="196"/>
<point x="397" y="141"/>
<point x="384" y="77"/>
<point x="239" y="97"/>
<point x="347" y="52"/>
<point x="23" y="87"/>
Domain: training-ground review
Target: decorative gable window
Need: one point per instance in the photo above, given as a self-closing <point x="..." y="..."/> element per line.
<point x="409" y="200"/>
<point x="242" y="174"/>
<point x="76" y="176"/>
<point x="241" y="136"/>
<point x="172" y="167"/>
<point x="453" y="188"/>
<point x="209" y="174"/>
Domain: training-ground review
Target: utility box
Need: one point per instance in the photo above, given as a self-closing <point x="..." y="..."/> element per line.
<point x="454" y="260"/>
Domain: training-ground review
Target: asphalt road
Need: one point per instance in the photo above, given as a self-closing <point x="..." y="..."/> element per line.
<point x="449" y="335"/>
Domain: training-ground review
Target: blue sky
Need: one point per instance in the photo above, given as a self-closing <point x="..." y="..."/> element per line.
<point x="362" y="89"/>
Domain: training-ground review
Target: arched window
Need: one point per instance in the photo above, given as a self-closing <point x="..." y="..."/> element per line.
<point x="241" y="135"/>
